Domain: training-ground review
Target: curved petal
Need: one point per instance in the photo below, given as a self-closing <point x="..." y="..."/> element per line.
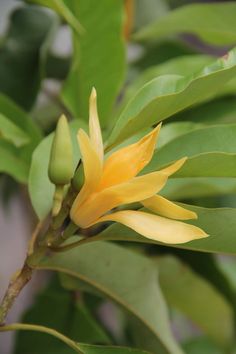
<point x="127" y="162"/>
<point x="99" y="203"/>
<point x="94" y="125"/>
<point x="92" y="170"/>
<point x="164" y="207"/>
<point x="156" y="227"/>
<point x="174" y="167"/>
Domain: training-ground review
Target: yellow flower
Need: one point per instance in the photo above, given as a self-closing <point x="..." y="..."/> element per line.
<point x="112" y="182"/>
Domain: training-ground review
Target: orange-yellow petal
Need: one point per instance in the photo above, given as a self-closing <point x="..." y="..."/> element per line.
<point x="127" y="162"/>
<point x="92" y="169"/>
<point x="164" y="207"/>
<point x="156" y="227"/>
<point x="97" y="204"/>
<point x="94" y="125"/>
<point x="174" y="167"/>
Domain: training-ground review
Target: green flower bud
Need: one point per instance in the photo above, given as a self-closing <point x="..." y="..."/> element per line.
<point x="78" y="179"/>
<point x="60" y="170"/>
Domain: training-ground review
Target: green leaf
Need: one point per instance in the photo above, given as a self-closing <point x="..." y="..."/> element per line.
<point x="152" y="10"/>
<point x="129" y="279"/>
<point x="61" y="7"/>
<point x="70" y="317"/>
<point x="169" y="94"/>
<point x="219" y="223"/>
<point x="182" y="65"/>
<point x="20" y="118"/>
<point x="187" y="188"/>
<point x="197" y="299"/>
<point x="21" y="56"/>
<point x="201" y="345"/>
<point x="217" y="111"/>
<point x="76" y="347"/>
<point x="12" y="164"/>
<point x="219" y="29"/>
<point x="98" y="59"/>
<point x="39" y="183"/>
<point x="210" y="152"/>
<point x="10" y="132"/>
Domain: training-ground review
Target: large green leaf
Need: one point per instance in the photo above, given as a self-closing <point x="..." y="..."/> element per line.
<point x="210" y="152"/>
<point x="76" y="347"/>
<point x="219" y="223"/>
<point x="99" y="57"/>
<point x="197" y="299"/>
<point x="39" y="183"/>
<point x="201" y="344"/>
<point x="70" y="317"/>
<point x="182" y="65"/>
<point x="12" y="133"/>
<point x="187" y="188"/>
<point x="23" y="52"/>
<point x="169" y="94"/>
<point x="218" y="111"/>
<point x="60" y="6"/>
<point x="219" y="29"/>
<point x="129" y="279"/>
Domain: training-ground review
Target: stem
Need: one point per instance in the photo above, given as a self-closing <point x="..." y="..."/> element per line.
<point x="53" y="332"/>
<point x="56" y="248"/>
<point x="14" y="288"/>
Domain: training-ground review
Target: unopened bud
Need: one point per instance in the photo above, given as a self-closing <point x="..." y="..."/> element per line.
<point x="60" y="170"/>
<point x="78" y="179"/>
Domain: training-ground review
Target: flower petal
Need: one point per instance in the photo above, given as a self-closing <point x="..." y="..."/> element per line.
<point x="137" y="189"/>
<point x="92" y="169"/>
<point x="94" y="125"/>
<point x="164" y="207"/>
<point x="174" y="167"/>
<point x="127" y="162"/>
<point x="156" y="227"/>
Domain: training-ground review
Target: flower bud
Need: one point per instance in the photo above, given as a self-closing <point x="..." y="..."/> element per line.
<point x="78" y="179"/>
<point x="60" y="170"/>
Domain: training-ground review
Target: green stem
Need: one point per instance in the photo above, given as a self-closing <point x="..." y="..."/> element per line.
<point x="20" y="326"/>
<point x="69" y="246"/>
<point x="14" y="288"/>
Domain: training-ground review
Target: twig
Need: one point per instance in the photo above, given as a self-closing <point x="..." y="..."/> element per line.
<point x="14" y="288"/>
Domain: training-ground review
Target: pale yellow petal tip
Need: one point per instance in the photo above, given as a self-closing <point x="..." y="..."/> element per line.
<point x="63" y="118"/>
<point x="182" y="161"/>
<point x="193" y="215"/>
<point x="157" y="129"/>
<point x="200" y="234"/>
<point x="93" y="94"/>
<point x="80" y="132"/>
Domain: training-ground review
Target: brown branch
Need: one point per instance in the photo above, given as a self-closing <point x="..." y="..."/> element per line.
<point x="14" y="288"/>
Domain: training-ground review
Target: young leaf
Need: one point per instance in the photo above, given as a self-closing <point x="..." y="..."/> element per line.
<point x="127" y="278"/>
